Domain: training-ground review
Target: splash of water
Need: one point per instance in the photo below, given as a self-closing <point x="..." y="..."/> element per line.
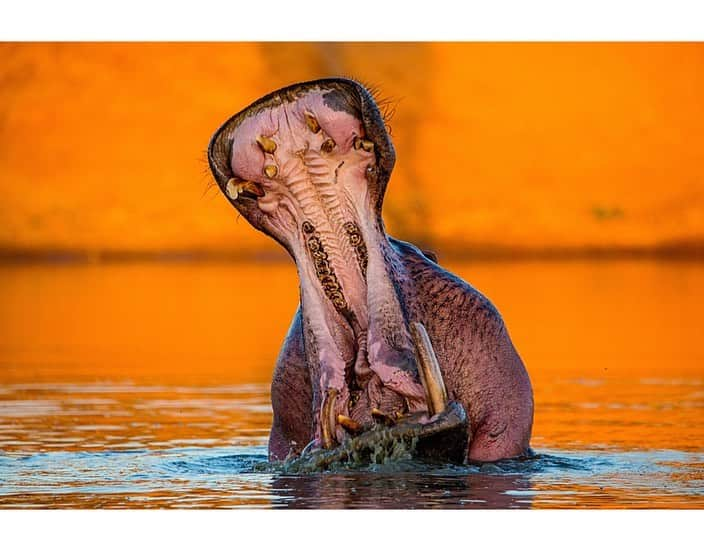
<point x="380" y="447"/>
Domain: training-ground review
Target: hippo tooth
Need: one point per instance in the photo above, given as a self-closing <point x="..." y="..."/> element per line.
<point x="270" y="171"/>
<point x="236" y="188"/>
<point x="232" y="189"/>
<point x="327" y="421"/>
<point x="327" y="146"/>
<point x="251" y="189"/>
<point x="383" y="417"/>
<point x="312" y="123"/>
<point x="429" y="370"/>
<point x="360" y="143"/>
<point x="349" y="424"/>
<point x="266" y="144"/>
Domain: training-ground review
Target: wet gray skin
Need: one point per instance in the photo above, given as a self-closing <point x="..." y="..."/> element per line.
<point x="386" y="345"/>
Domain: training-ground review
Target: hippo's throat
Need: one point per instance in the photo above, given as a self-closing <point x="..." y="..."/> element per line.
<point x="357" y="340"/>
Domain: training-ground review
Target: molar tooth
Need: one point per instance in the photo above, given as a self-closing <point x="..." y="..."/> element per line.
<point x="327" y="146"/>
<point x="266" y="144"/>
<point x="429" y="369"/>
<point x="312" y="123"/>
<point x="339" y="302"/>
<point x="314" y="244"/>
<point x="270" y="171"/>
<point x="349" y="424"/>
<point x="330" y="284"/>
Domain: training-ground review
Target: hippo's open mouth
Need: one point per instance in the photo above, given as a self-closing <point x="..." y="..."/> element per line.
<point x="308" y="165"/>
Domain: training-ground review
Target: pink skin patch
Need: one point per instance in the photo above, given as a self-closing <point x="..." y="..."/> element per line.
<point x="286" y="125"/>
<point x="401" y="382"/>
<point x="307" y="157"/>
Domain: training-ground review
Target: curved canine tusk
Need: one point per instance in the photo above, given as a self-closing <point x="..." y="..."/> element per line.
<point x="327" y="419"/>
<point x="429" y="370"/>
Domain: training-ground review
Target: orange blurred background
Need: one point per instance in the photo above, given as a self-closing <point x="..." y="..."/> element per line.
<point x="500" y="147"/>
<point x="502" y="150"/>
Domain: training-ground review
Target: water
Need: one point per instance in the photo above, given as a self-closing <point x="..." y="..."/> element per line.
<point x="147" y="386"/>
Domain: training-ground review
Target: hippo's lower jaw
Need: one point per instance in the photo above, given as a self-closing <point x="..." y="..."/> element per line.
<point x="441" y="433"/>
<point x="308" y="166"/>
<point x="443" y="438"/>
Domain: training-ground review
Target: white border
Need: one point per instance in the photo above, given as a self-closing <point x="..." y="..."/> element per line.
<point x="351" y="530"/>
<point x="358" y="20"/>
<point x="352" y="20"/>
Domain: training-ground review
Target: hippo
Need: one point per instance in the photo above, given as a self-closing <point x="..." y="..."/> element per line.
<point x="385" y="342"/>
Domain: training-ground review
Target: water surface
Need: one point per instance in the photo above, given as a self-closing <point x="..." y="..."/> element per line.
<point x="146" y="385"/>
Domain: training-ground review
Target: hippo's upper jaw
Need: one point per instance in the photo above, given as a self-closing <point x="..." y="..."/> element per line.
<point x="308" y="166"/>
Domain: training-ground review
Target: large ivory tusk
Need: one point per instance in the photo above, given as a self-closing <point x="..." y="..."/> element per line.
<point x="327" y="420"/>
<point x="429" y="370"/>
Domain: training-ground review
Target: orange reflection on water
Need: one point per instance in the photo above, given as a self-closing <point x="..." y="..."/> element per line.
<point x="153" y="358"/>
<point x="168" y="323"/>
<point x="611" y="347"/>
